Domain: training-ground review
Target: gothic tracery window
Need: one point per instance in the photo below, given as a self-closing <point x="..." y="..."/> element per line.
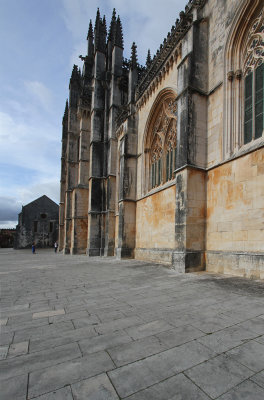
<point x="163" y="140"/>
<point x="254" y="81"/>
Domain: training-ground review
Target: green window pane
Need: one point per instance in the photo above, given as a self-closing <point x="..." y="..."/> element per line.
<point x="171" y="165"/>
<point x="174" y="158"/>
<point x="248" y="117"/>
<point x="167" y="166"/>
<point x="259" y="101"/>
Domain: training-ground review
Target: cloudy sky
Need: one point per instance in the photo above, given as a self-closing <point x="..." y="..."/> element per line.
<point x="40" y="42"/>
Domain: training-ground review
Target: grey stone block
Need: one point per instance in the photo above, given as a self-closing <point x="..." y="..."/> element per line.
<point x="227" y="338"/>
<point x="250" y="354"/>
<point x="218" y="375"/>
<point x="68" y="316"/>
<point x="3" y="352"/>
<point x="60" y="394"/>
<point x="180" y="335"/>
<point x="141" y="374"/>
<point x="14" y="388"/>
<point x="17" y="349"/>
<point x="255" y="325"/>
<point x="259" y="379"/>
<point x="148" y="329"/>
<point x="136" y="350"/>
<point x="68" y="372"/>
<point x="32" y="362"/>
<point x="178" y="387"/>
<point x="117" y="324"/>
<point x="97" y="388"/>
<point x="6" y="338"/>
<point x="247" y="390"/>
<point x="91" y="320"/>
<point x="62" y="338"/>
<point x="42" y="332"/>
<point x="103" y="342"/>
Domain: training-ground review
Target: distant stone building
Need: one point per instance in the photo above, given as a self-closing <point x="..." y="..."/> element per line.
<point x="7" y="237"/>
<point x="166" y="162"/>
<point x="38" y="222"/>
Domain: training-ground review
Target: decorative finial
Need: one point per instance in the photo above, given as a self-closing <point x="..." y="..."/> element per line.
<point x="118" y="40"/>
<point x="112" y="27"/>
<point x="90" y="31"/>
<point x="148" y="60"/>
<point x="133" y="56"/>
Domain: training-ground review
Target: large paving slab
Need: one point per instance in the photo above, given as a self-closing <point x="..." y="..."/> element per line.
<point x="104" y="329"/>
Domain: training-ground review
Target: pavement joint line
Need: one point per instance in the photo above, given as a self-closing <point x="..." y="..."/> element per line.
<point x="194" y="383"/>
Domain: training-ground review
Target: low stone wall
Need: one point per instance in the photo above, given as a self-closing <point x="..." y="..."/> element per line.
<point x="239" y="264"/>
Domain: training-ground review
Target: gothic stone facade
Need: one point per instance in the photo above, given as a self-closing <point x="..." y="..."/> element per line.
<point x="38" y="222"/>
<point x="166" y="162"/>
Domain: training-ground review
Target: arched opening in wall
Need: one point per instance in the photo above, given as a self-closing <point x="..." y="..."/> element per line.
<point x="244" y="85"/>
<point x="160" y="141"/>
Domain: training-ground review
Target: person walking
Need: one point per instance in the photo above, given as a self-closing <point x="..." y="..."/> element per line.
<point x="55" y="247"/>
<point x="33" y="248"/>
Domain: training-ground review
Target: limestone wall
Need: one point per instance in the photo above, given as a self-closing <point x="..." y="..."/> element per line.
<point x="235" y="216"/>
<point x="156" y="225"/>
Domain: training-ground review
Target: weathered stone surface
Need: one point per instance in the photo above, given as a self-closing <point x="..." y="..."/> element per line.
<point x="178" y="387"/>
<point x="49" y="313"/>
<point x="14" y="388"/>
<point x="97" y="388"/>
<point x="60" y="394"/>
<point x="142" y="298"/>
<point x="103" y="342"/>
<point x="136" y="350"/>
<point x="244" y="391"/>
<point x="32" y="362"/>
<point x="141" y="374"/>
<point x="3" y="352"/>
<point x="68" y="372"/>
<point x="227" y="373"/>
<point x="17" y="349"/>
<point x="250" y="354"/>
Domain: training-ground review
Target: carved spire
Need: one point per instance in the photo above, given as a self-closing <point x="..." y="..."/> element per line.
<point x="99" y="32"/>
<point x="98" y="18"/>
<point x="104" y="28"/>
<point x="118" y="40"/>
<point x="75" y="73"/>
<point x="112" y="28"/>
<point x="97" y="29"/>
<point x="133" y="59"/>
<point x="90" y="31"/>
<point x="148" y="60"/>
<point x="66" y="109"/>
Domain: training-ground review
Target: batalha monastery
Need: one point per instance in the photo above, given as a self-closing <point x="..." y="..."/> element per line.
<point x="165" y="162"/>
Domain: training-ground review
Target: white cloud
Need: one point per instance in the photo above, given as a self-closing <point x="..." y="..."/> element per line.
<point x="29" y="145"/>
<point x="40" y="93"/>
<point x="50" y="188"/>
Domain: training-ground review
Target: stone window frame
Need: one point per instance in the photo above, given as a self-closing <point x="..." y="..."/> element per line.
<point x="160" y="140"/>
<point x="236" y="70"/>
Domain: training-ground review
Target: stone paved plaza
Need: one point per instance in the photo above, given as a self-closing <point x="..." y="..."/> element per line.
<point x="81" y="328"/>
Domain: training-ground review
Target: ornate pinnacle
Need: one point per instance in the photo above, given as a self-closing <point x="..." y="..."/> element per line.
<point x="133" y="56"/>
<point x="66" y="108"/>
<point x="90" y="31"/>
<point x="148" y="60"/>
<point x="118" y="40"/>
<point x="104" y="28"/>
<point x="112" y="28"/>
<point x="97" y="17"/>
<point x="75" y="72"/>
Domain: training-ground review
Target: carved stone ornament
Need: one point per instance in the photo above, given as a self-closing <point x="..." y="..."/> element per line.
<point x="164" y="129"/>
<point x="254" y="52"/>
<point x="156" y="149"/>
